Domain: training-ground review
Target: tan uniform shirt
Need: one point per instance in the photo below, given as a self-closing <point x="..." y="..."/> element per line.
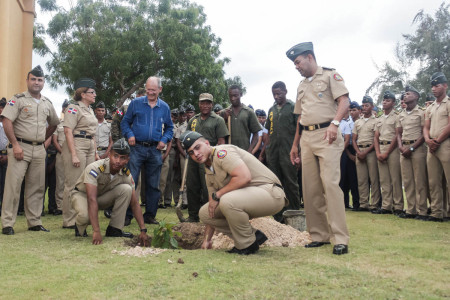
<point x="438" y="114"/>
<point x="412" y="123"/>
<point x="386" y="126"/>
<point x="102" y="134"/>
<point x="365" y="129"/>
<point x="316" y="98"/>
<point x="227" y="157"/>
<point x="30" y="118"/>
<point x="81" y="119"/>
<point x="181" y="128"/>
<point x="98" y="174"/>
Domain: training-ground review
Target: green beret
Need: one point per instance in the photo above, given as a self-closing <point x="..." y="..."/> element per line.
<point x="101" y="104"/>
<point x="37" y="71"/>
<point x="121" y="147"/>
<point x="188" y="138"/>
<point x="84" y="82"/>
<point x="410" y="88"/>
<point x="389" y="95"/>
<point x="206" y="97"/>
<point x="299" y="49"/>
<point x="367" y="99"/>
<point x="438" y="78"/>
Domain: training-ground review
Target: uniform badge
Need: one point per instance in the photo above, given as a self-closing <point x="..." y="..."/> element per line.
<point x="221" y="154"/>
<point x="12" y="102"/>
<point x="102" y="168"/>
<point x="72" y="111"/>
<point x="25" y="109"/>
<point x="119" y="112"/>
<point x="320" y="95"/>
<point x="194" y="123"/>
<point x="337" y="77"/>
<point x="93" y="173"/>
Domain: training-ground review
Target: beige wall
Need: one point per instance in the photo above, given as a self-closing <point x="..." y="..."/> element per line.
<point x="16" y="45"/>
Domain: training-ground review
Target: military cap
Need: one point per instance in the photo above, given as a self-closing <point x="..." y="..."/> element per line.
<point x="260" y="113"/>
<point x="388" y="95"/>
<point x="430" y="97"/>
<point x="206" y="97"/>
<point x="3" y="102"/>
<point x="121" y="147"/>
<point x="174" y="111"/>
<point x="65" y="103"/>
<point x="190" y="107"/>
<point x="84" y="82"/>
<point x="375" y="108"/>
<point x="181" y="110"/>
<point x="410" y="88"/>
<point x="367" y="99"/>
<point x="101" y="104"/>
<point x="299" y="49"/>
<point x="188" y="138"/>
<point x="354" y="104"/>
<point x="217" y="107"/>
<point x="437" y="78"/>
<point x="37" y="71"/>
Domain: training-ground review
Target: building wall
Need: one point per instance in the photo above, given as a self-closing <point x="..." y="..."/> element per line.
<point x="16" y="45"/>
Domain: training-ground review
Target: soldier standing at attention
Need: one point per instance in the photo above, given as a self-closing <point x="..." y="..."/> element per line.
<point x="213" y="128"/>
<point x="25" y="120"/>
<point x="3" y="153"/>
<point x="413" y="159"/>
<point x="103" y="134"/>
<point x="436" y="132"/>
<point x="388" y="156"/>
<point x="322" y="102"/>
<point x="282" y="124"/>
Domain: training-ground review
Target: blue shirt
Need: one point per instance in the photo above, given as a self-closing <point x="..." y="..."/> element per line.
<point x="147" y="124"/>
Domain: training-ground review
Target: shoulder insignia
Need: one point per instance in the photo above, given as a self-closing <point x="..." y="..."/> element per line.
<point x="221" y="153"/>
<point x="73" y="102"/>
<point x="93" y="173"/>
<point x="422" y="108"/>
<point x="11" y="102"/>
<point x="46" y="99"/>
<point x="193" y="124"/>
<point x="102" y="168"/>
<point x="126" y="171"/>
<point x="328" y="69"/>
<point x="19" y="95"/>
<point x="337" y="77"/>
<point x="72" y="110"/>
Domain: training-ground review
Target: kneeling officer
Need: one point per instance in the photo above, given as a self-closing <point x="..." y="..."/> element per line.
<point x="240" y="188"/>
<point x="103" y="184"/>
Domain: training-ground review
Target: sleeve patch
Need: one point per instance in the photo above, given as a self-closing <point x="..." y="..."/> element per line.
<point x="72" y="111"/>
<point x="93" y="173"/>
<point x="12" y="102"/>
<point x="221" y="153"/>
<point x="337" y="77"/>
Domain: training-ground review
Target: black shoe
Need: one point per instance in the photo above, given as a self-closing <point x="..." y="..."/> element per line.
<point x="360" y="209"/>
<point x="434" y="219"/>
<point x="261" y="238"/>
<point x="348" y="207"/>
<point x="422" y="218"/>
<point x="150" y="220"/>
<point x="316" y="244"/>
<point x="43" y="213"/>
<point x="57" y="212"/>
<point x="406" y="216"/>
<point x="8" y="230"/>
<point x="20" y="213"/>
<point x="162" y="206"/>
<point x="127" y="222"/>
<point x="252" y="249"/>
<point x="142" y="204"/>
<point x="107" y="213"/>
<point x="69" y="227"/>
<point x="116" y="232"/>
<point x="382" y="211"/>
<point x="340" y="249"/>
<point x="429" y="211"/>
<point x="184" y="206"/>
<point x="77" y="233"/>
<point x="192" y="220"/>
<point x="38" y="228"/>
<point x="51" y="211"/>
<point x="398" y="212"/>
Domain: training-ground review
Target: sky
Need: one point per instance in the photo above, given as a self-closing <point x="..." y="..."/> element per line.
<point x="351" y="36"/>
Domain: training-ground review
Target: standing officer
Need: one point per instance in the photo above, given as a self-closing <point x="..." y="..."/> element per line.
<point x="25" y="122"/>
<point x="436" y="133"/>
<point x="3" y="153"/>
<point x="240" y="188"/>
<point x="322" y="102"/>
<point x="168" y="157"/>
<point x="281" y="124"/>
<point x="103" y="134"/>
<point x="182" y="121"/>
<point x="413" y="159"/>
<point x="213" y="128"/>
<point x="388" y="156"/>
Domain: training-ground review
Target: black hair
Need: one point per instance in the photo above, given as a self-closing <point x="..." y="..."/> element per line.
<point x="279" y="85"/>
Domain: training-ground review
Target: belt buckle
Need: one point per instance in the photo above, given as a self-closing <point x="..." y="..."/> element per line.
<point x="34" y="143"/>
<point x="311" y="127"/>
<point x="99" y="148"/>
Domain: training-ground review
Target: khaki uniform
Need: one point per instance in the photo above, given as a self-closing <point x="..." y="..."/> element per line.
<point x="368" y="169"/>
<point x="438" y="163"/>
<point x="29" y="121"/>
<point x="81" y="119"/>
<point x="320" y="161"/>
<point x="165" y="181"/>
<point x="242" y="126"/>
<point x="111" y="191"/>
<point x="59" y="167"/>
<point x="389" y="170"/>
<point x="102" y="137"/>
<point x="178" y="175"/>
<point x="263" y="196"/>
<point x="414" y="168"/>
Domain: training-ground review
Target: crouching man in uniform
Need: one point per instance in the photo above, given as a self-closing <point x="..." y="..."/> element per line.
<point x="240" y="188"/>
<point x="107" y="183"/>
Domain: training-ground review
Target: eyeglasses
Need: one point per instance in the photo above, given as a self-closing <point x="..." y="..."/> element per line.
<point x="93" y="92"/>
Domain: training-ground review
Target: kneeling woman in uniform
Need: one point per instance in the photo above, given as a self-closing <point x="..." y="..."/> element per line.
<point x="240" y="188"/>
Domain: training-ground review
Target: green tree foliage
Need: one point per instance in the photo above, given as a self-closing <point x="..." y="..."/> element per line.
<point x="418" y="56"/>
<point x="120" y="43"/>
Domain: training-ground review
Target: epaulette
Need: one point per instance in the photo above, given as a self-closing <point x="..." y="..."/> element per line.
<point x="73" y="102"/>
<point x="126" y="171"/>
<point x="19" y="95"/>
<point x="328" y="69"/>
<point x="102" y="168"/>
<point x="45" y="98"/>
<point x="422" y="108"/>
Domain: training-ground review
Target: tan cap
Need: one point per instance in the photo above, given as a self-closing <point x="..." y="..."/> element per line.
<point x="206" y="96"/>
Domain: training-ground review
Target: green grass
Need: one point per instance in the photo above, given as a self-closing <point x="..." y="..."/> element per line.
<point x="389" y="258"/>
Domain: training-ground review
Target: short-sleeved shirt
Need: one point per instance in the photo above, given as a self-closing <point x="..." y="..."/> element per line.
<point x="212" y="128"/>
<point x="281" y="124"/>
<point x="3" y="138"/>
<point x="102" y="134"/>
<point x="346" y="127"/>
<point x="316" y="98"/>
<point x="29" y="118"/>
<point x="59" y="132"/>
<point x="438" y="116"/>
<point x="243" y="125"/>
<point x="98" y="174"/>
<point x="365" y="129"/>
<point x="412" y="123"/>
<point x="181" y="128"/>
<point x="81" y="119"/>
<point x="225" y="158"/>
<point x="386" y="126"/>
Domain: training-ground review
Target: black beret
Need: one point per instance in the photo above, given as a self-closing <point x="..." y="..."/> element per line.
<point x="181" y="110"/>
<point x="84" y="82"/>
<point x="260" y="113"/>
<point x="354" y="104"/>
<point x="121" y="147"/>
<point x="217" y="107"/>
<point x="174" y="111"/>
<point x="188" y="138"/>
<point x="299" y="49"/>
<point x="190" y="107"/>
<point x="389" y="95"/>
<point x="438" y="78"/>
<point x="37" y="71"/>
<point x="101" y="104"/>
<point x="367" y="99"/>
<point x="65" y="103"/>
<point x="410" y="88"/>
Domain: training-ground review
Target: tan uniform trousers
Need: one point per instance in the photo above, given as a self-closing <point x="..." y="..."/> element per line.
<point x="368" y="170"/>
<point x="391" y="180"/>
<point x="164" y="177"/>
<point x="438" y="165"/>
<point x="119" y="197"/>
<point x="32" y="167"/>
<point x="321" y="192"/>
<point x="236" y="208"/>
<point x="59" y="190"/>
<point x="86" y="154"/>
<point x="415" y="181"/>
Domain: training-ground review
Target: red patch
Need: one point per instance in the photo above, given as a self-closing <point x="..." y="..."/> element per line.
<point x="221" y="153"/>
<point x="337" y="77"/>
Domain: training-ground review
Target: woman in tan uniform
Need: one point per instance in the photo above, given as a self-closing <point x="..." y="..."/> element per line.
<point x="78" y="151"/>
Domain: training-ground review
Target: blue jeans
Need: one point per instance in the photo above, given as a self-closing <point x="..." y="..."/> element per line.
<point x="151" y="159"/>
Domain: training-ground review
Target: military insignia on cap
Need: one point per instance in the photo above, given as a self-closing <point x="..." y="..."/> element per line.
<point x="72" y="111"/>
<point x="11" y="102"/>
<point x="292" y="52"/>
<point x="93" y="173"/>
<point x="337" y="77"/>
<point x="221" y="154"/>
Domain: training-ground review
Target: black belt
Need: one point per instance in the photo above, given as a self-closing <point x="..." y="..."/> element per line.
<point x="89" y="137"/>
<point x="28" y="142"/>
<point x="315" y="126"/>
<point x="364" y="146"/>
<point x="147" y="144"/>
<point x="3" y="152"/>
<point x="385" y="143"/>
<point x="410" y="142"/>
<point x="102" y="148"/>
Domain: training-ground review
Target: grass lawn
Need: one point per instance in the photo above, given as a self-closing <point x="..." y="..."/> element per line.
<point x="389" y="258"/>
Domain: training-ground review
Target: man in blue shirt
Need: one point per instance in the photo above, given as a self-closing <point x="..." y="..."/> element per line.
<point x="148" y="127"/>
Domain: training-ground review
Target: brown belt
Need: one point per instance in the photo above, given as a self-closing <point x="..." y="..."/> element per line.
<point x="410" y="142"/>
<point x="364" y="146"/>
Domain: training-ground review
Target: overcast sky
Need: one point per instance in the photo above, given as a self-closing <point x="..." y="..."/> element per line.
<point x="349" y="35"/>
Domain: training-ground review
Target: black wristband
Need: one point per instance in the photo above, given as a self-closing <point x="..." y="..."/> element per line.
<point x="144" y="230"/>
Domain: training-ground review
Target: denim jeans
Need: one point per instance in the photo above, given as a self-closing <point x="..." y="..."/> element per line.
<point x="151" y="159"/>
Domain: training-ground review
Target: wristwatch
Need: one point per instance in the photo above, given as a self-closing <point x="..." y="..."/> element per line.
<point x="214" y="197"/>
<point x="335" y="122"/>
<point x="411" y="149"/>
<point x="144" y="230"/>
